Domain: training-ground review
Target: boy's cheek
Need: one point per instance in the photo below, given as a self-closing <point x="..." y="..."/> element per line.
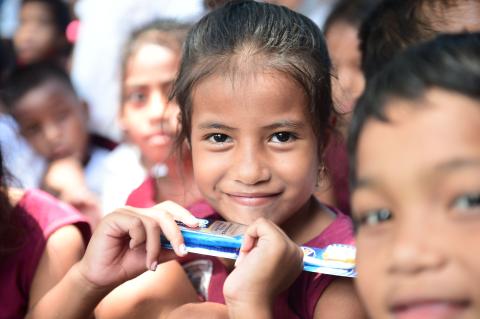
<point x="371" y="269"/>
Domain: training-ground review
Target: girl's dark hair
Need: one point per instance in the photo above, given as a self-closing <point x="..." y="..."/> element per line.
<point x="352" y="12"/>
<point x="60" y="13"/>
<point x="279" y="38"/>
<point x="164" y="32"/>
<point x="11" y="232"/>
<point x="449" y="62"/>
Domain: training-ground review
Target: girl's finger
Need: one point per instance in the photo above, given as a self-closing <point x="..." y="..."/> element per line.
<point x="172" y="232"/>
<point x="250" y="238"/>
<point x="261" y="228"/>
<point x="167" y="223"/>
<point x="152" y="245"/>
<point x="136" y="231"/>
<point x="178" y="213"/>
<point x="142" y="230"/>
<point x="118" y="225"/>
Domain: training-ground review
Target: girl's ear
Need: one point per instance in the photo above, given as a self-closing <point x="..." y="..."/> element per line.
<point x="321" y="174"/>
<point x="120" y="120"/>
<point x="122" y="126"/>
<point x="85" y="110"/>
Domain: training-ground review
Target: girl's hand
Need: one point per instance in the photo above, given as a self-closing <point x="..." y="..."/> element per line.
<point x="127" y="242"/>
<point x="269" y="262"/>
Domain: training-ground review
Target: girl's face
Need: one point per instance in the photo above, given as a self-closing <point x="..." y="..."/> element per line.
<point x="343" y="46"/>
<point x="147" y="116"/>
<point x="417" y="201"/>
<point x="36" y="36"/>
<point x="53" y="120"/>
<point x="254" y="150"/>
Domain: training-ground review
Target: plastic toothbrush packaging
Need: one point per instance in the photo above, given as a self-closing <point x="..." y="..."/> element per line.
<point x="224" y="239"/>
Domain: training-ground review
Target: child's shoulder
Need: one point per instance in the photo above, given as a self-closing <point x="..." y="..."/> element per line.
<point x="339" y="231"/>
<point x="50" y="214"/>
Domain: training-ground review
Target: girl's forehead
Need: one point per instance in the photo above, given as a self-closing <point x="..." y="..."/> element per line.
<point x="261" y="95"/>
<point x="250" y="78"/>
<point x="35" y="9"/>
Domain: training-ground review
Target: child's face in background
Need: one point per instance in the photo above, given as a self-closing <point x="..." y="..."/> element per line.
<point x="54" y="121"/>
<point x="36" y="36"/>
<point x="418" y="203"/>
<point x="343" y="47"/>
<point x="148" y="118"/>
<point x="253" y="147"/>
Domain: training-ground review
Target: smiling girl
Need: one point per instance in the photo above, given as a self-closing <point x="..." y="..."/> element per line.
<point x="255" y="106"/>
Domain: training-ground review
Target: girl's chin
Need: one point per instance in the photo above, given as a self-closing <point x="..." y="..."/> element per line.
<point x="155" y="159"/>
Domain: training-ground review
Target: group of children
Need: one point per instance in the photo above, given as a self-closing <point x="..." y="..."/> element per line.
<point x="243" y="117"/>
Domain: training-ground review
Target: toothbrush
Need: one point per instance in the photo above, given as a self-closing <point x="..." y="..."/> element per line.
<point x="224" y="239"/>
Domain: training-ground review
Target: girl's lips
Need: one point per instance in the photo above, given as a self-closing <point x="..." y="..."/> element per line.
<point x="253" y="199"/>
<point x="60" y="152"/>
<point x="432" y="309"/>
<point x="159" y="139"/>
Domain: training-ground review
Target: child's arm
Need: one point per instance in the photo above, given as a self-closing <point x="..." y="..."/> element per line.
<point x="152" y="295"/>
<point x="269" y="262"/>
<point x="340" y="301"/>
<point x="63" y="249"/>
<point x="124" y="245"/>
<point x="207" y="310"/>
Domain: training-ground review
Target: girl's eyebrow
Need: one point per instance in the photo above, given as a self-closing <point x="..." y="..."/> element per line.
<point x="277" y="125"/>
<point x="285" y="124"/>
<point x="215" y="125"/>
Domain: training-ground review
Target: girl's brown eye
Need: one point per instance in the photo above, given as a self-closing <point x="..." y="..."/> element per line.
<point x="218" y="138"/>
<point x="282" y="137"/>
<point x="136" y="97"/>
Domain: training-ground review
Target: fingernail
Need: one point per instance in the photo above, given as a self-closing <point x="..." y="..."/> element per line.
<point x="182" y="250"/>
<point x="153" y="266"/>
<point x="131" y="244"/>
<point x="192" y="220"/>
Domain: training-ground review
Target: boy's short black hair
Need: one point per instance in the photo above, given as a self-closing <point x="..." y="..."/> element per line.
<point x="26" y="78"/>
<point x="449" y="62"/>
<point x="353" y="12"/>
<point x="395" y="25"/>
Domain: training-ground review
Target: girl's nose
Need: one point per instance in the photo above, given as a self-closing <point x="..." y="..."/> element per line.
<point x="157" y="106"/>
<point x="250" y="168"/>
